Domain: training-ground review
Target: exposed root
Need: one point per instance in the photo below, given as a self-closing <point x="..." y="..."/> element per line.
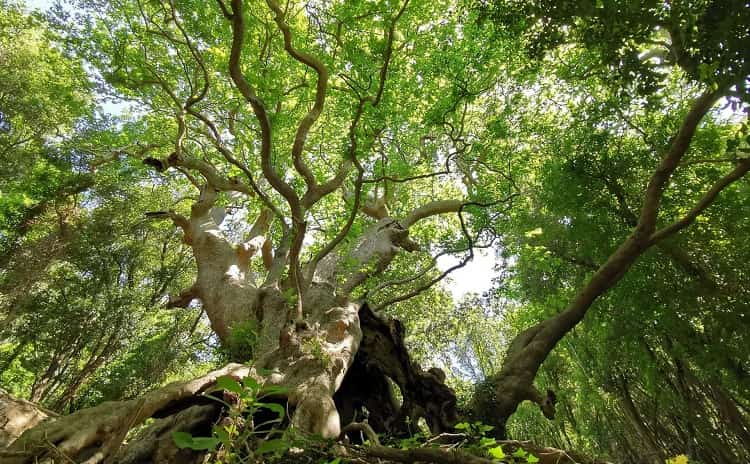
<point x="18" y="415"/>
<point x="155" y="443"/>
<point x="436" y="455"/>
<point x="449" y="455"/>
<point x="95" y="434"/>
<point x="363" y="427"/>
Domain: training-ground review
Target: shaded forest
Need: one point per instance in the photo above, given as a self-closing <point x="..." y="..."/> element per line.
<point x="230" y="231"/>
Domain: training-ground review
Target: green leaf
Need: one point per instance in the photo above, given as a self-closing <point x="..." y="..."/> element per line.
<point x="182" y="439"/>
<point x="485" y="428"/>
<point x="273" y="446"/>
<point x="272" y="391"/>
<point x="222" y="434"/>
<point x="186" y="440"/>
<point x="531" y="458"/>
<point x="462" y="426"/>
<point x="275" y="407"/>
<point x="520" y="453"/>
<point x="204" y="443"/>
<point x="487" y="442"/>
<point x="251" y="384"/>
<point x="497" y="452"/>
<point x="226" y="382"/>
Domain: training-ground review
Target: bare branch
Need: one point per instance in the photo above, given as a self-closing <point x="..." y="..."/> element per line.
<point x="216" y="180"/>
<point x="224" y="10"/>
<point x="387" y="54"/>
<point x="298" y="223"/>
<point x="181" y="221"/>
<point x="376" y="208"/>
<point x="320" y="94"/>
<point x="256" y="240"/>
<point x="193" y="99"/>
<point x="529" y="350"/>
<point x="426" y="286"/>
<point x="363" y="427"/>
<point x="235" y="71"/>
<point x="405" y="280"/>
<point x="352" y="154"/>
<point x="184" y="299"/>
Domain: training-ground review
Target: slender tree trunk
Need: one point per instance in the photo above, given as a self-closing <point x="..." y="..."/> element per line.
<point x="499" y="396"/>
<point x="654" y="453"/>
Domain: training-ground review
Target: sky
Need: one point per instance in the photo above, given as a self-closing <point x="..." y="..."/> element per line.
<point x="475" y="277"/>
<point x="39" y="4"/>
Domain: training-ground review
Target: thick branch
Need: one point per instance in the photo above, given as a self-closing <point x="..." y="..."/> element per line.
<point x="432" y="209"/>
<point x="388" y="53"/>
<point x="299" y="225"/>
<point x="184" y="299"/>
<point x="97" y="427"/>
<point x="235" y="71"/>
<point x="527" y="352"/>
<point x="738" y="172"/>
<point x="678" y="255"/>
<point x="320" y="94"/>
<point x="670" y="161"/>
<point x="639" y="240"/>
<point x="218" y="181"/>
<point x="352" y="155"/>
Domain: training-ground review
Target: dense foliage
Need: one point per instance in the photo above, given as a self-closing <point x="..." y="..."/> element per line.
<point x="534" y="129"/>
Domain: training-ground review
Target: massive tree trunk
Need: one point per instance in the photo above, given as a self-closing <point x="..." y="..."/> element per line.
<point x="333" y="360"/>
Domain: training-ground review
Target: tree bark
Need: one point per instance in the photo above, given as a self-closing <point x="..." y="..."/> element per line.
<point x="338" y="345"/>
<point x="498" y="397"/>
<point x="17" y="416"/>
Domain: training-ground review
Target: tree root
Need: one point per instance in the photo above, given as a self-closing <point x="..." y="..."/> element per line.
<point x="94" y="434"/>
<point x="155" y="443"/>
<point x="450" y="455"/>
<point x="442" y="455"/>
<point x="436" y="455"/>
<point x="17" y="416"/>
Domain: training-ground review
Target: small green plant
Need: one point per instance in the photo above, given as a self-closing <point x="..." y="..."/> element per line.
<point x="243" y="340"/>
<point x="411" y="442"/>
<point x="315" y="347"/>
<point x="679" y="459"/>
<point x="237" y="438"/>
<point x="477" y="434"/>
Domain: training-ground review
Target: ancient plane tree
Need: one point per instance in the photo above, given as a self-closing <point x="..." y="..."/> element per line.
<point x="321" y="153"/>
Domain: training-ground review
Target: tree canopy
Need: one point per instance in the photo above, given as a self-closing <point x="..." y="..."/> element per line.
<point x="255" y="201"/>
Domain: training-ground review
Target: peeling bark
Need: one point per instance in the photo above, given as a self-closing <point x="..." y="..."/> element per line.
<point x="17" y="416"/>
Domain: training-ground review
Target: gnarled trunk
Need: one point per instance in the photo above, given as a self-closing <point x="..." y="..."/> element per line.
<point x="311" y="360"/>
<point x="333" y="360"/>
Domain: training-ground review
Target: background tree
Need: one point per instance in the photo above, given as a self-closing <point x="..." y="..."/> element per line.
<point x="622" y="55"/>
